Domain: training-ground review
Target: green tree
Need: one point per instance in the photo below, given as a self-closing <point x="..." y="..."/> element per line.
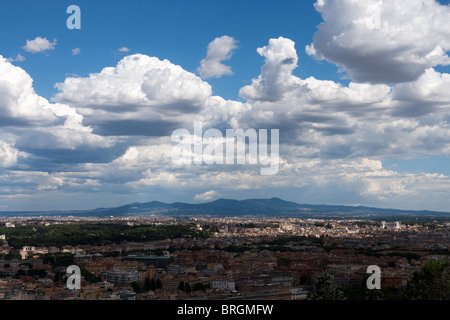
<point x="40" y="273"/>
<point x="198" y="287"/>
<point x="136" y="287"/>
<point x="60" y="259"/>
<point x="355" y="292"/>
<point x="432" y="282"/>
<point x="11" y="256"/>
<point x="20" y="273"/>
<point x="158" y="284"/>
<point x="326" y="289"/>
<point x="374" y="294"/>
<point x="147" y="285"/>
<point x="27" y="264"/>
<point x="92" y="278"/>
<point x="185" y="286"/>
<point x="152" y="284"/>
<point x="58" y="277"/>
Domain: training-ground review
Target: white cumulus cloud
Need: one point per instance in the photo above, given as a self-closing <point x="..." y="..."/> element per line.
<point x="37" y="121"/>
<point x="39" y="45"/>
<point x="8" y="155"/>
<point x="18" y="101"/>
<point x="382" y="41"/>
<point x="276" y="74"/>
<point x="220" y="49"/>
<point x="143" y="95"/>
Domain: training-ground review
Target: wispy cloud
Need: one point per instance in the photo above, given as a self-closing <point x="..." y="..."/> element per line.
<point x="18" y="58"/>
<point x="208" y="195"/>
<point x="76" y="51"/>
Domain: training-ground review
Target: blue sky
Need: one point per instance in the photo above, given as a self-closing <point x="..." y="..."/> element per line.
<point x="362" y="113"/>
<point x="175" y="30"/>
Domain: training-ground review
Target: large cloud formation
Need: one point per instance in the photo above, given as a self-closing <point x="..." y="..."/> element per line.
<point x="382" y="41"/>
<point x="30" y="121"/>
<point x="332" y="121"/>
<point x="109" y="133"/>
<point x="142" y="95"/>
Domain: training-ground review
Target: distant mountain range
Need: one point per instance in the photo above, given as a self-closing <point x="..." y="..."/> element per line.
<point x="273" y="207"/>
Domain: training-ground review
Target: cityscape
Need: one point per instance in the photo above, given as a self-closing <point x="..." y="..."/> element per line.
<point x="210" y="258"/>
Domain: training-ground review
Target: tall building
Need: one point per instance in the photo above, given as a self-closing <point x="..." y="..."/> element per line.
<point x="122" y="278"/>
<point x="223" y="284"/>
<point x="391" y="225"/>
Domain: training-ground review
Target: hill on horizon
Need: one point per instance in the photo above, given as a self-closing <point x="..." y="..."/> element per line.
<point x="273" y="207"/>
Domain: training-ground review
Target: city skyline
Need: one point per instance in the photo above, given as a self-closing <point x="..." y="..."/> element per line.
<point x="357" y="90"/>
<point x="155" y="258"/>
